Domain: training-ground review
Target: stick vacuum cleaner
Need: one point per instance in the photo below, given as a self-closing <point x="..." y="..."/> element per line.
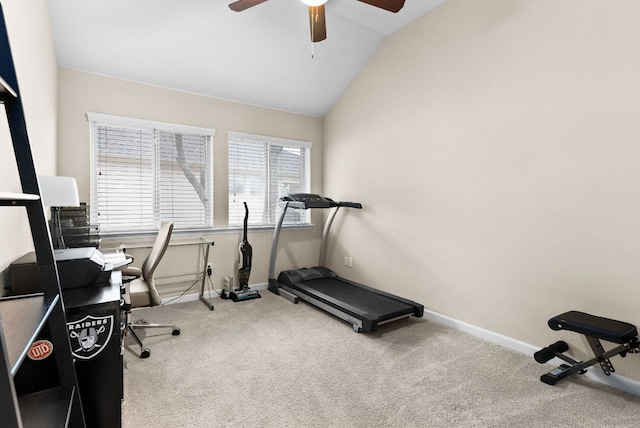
<point x="243" y="292"/>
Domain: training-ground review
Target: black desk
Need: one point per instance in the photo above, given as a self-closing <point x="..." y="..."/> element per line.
<point x="95" y="331"/>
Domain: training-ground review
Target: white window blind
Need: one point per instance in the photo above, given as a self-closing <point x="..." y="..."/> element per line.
<point x="146" y="172"/>
<point x="261" y="170"/>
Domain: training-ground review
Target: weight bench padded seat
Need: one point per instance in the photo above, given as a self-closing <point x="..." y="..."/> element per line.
<point x="594" y="326"/>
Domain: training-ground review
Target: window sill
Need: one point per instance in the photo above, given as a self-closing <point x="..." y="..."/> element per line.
<point x="183" y="237"/>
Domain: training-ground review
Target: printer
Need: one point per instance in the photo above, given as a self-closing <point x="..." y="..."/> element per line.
<point x="77" y="267"/>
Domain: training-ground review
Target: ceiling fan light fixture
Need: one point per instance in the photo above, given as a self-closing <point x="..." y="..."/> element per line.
<point x="314" y="3"/>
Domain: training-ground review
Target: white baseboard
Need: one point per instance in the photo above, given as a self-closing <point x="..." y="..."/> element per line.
<point x="616" y="381"/>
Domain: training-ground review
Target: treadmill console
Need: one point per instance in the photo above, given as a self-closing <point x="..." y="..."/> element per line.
<point x="307" y="200"/>
<point x="303" y="197"/>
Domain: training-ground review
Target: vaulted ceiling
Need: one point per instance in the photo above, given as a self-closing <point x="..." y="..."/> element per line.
<point x="261" y="56"/>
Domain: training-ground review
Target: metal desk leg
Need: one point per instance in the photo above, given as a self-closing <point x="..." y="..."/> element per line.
<point x="203" y="299"/>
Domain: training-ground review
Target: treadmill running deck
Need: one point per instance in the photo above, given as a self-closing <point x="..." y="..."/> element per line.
<point x="371" y="306"/>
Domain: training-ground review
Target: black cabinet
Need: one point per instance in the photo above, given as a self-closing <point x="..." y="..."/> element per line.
<point x="95" y="330"/>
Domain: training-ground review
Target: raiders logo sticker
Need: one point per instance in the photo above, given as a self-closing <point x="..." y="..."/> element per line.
<point x="89" y="335"/>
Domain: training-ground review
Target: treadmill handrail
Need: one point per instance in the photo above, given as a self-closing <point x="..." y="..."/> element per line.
<point x="322" y="259"/>
<point x="356" y="205"/>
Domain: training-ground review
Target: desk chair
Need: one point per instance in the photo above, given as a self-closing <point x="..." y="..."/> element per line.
<point x="141" y="288"/>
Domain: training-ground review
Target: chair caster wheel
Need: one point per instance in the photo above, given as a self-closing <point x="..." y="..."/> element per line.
<point x="176" y="332"/>
<point x="145" y="353"/>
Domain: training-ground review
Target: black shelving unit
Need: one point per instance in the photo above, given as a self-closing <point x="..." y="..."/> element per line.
<point x="23" y="318"/>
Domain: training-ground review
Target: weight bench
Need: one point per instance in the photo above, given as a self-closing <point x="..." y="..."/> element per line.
<point x="595" y="329"/>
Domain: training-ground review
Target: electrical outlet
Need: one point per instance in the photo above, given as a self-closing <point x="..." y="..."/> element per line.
<point x="350" y="262"/>
<point x="346" y="261"/>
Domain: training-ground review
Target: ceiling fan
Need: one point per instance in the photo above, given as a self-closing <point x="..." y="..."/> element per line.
<point x="316" y="12"/>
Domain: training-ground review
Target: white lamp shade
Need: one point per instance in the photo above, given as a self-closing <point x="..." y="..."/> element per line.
<point x="58" y="191"/>
<point x="314" y="2"/>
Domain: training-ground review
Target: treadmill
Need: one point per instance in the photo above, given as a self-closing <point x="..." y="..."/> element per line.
<point x="364" y="307"/>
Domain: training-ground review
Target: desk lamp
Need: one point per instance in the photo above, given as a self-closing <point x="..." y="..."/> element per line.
<point x="57" y="192"/>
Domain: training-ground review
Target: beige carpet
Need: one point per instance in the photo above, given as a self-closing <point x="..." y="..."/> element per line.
<point x="269" y="363"/>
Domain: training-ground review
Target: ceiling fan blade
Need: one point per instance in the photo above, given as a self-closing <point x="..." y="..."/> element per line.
<point x="240" y="5"/>
<point x="390" y="5"/>
<point x="317" y="23"/>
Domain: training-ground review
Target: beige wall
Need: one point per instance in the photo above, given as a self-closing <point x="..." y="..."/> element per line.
<point x="36" y="68"/>
<point x="495" y="147"/>
<point x="83" y="92"/>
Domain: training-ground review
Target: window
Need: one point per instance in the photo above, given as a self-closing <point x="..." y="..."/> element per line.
<point x="144" y="172"/>
<point x="261" y="170"/>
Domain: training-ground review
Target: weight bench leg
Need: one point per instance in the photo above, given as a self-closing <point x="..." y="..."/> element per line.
<point x="598" y="351"/>
<point x="564" y="370"/>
